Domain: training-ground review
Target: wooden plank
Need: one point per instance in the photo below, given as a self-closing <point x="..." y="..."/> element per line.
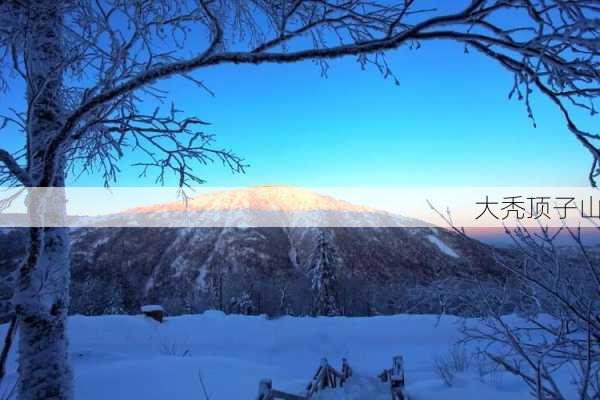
<point x="266" y="392"/>
<point x="286" y="396"/>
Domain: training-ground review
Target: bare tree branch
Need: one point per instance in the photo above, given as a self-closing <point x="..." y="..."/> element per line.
<point x="15" y="169"/>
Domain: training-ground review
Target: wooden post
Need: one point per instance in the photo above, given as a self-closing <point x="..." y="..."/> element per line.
<point x="346" y="371"/>
<point x="326" y="379"/>
<point x="398" y="369"/>
<point x="265" y="389"/>
<point x="396" y="377"/>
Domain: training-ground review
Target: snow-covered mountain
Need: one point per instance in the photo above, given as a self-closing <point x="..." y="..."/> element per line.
<point x="263" y="206"/>
<point x="266" y="197"/>
<point x="122" y="268"/>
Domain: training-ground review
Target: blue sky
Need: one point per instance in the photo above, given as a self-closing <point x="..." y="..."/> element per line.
<point x="449" y="123"/>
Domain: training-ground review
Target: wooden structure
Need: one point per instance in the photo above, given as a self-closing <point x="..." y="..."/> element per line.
<point x="325" y="377"/>
<point x="154" y="311"/>
<point x="328" y="377"/>
<point x="395" y="376"/>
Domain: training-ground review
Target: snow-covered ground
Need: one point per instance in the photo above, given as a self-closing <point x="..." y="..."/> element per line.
<point x="134" y="357"/>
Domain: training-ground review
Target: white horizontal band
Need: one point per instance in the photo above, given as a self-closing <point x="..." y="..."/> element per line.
<point x="286" y="206"/>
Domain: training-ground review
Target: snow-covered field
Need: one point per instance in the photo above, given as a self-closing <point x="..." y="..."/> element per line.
<point x="134" y="357"/>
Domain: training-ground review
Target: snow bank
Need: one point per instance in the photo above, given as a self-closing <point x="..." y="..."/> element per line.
<point x="151" y="308"/>
<point x="125" y="357"/>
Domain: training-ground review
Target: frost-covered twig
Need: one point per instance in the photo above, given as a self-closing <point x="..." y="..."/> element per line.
<point x="203" y="385"/>
<point x="557" y="327"/>
<point x="8" y="340"/>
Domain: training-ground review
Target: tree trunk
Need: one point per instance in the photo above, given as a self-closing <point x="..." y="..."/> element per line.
<point x="42" y="293"/>
<point x="44" y="370"/>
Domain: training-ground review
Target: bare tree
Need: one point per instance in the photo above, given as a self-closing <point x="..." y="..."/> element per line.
<point x="545" y="317"/>
<point x="558" y="324"/>
<point x="87" y="65"/>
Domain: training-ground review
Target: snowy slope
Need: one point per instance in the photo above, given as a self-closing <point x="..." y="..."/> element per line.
<point x="133" y="357"/>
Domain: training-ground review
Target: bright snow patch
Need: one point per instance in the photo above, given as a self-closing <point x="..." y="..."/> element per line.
<point x="444" y="248"/>
<point x="130" y="357"/>
<point x="151" y="308"/>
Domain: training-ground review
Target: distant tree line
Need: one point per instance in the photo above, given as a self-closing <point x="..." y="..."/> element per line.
<point x="323" y="287"/>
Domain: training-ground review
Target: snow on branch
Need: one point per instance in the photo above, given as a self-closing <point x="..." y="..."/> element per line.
<point x="169" y="144"/>
<point x="552" y="293"/>
<point x="125" y="48"/>
<point x="14" y="170"/>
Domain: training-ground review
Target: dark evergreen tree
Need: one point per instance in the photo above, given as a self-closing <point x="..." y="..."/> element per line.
<point x="244" y="304"/>
<point x="323" y="272"/>
<point x="214" y="288"/>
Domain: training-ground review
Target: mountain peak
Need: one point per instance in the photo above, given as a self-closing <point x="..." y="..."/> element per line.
<point x="263" y="198"/>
